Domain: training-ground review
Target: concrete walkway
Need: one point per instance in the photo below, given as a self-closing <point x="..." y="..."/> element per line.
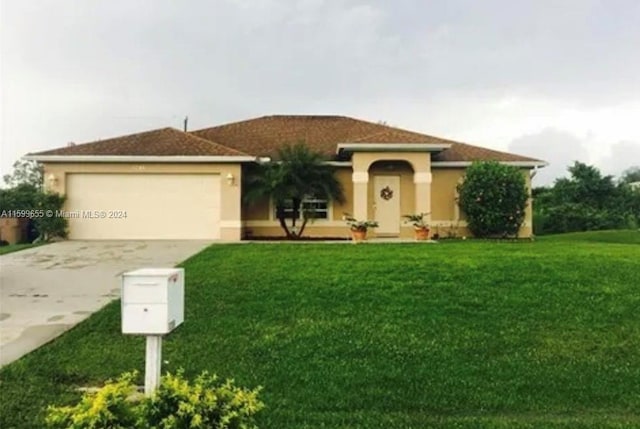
<point x="46" y="290"/>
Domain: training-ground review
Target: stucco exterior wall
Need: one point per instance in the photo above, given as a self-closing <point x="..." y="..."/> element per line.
<point x="230" y="209"/>
<point x="14" y="230"/>
<point x="419" y="161"/>
<point x="447" y="220"/>
<point x="259" y="220"/>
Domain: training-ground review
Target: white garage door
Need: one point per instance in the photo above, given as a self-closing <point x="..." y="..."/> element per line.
<point x="143" y="206"/>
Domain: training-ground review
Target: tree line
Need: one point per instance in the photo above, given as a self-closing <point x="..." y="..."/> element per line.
<point x="587" y="201"/>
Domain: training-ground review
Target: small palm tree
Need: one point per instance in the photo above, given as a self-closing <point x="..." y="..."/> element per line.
<point x="298" y="173"/>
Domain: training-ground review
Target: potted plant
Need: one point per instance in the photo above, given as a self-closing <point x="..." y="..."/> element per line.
<point x="359" y="227"/>
<point x="420" y="227"/>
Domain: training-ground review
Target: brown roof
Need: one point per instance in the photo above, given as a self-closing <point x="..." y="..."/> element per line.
<point x="161" y="142"/>
<point x="263" y="136"/>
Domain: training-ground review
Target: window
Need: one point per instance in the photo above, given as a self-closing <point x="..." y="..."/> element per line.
<point x="316" y="207"/>
<point x="319" y="208"/>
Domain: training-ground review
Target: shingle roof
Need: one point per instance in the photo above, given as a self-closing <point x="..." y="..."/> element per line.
<point x="263" y="136"/>
<point x="161" y="142"/>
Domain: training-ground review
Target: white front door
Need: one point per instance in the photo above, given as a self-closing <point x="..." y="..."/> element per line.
<point x="387" y="204"/>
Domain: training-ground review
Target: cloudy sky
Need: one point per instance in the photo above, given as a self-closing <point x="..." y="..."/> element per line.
<point x="557" y="80"/>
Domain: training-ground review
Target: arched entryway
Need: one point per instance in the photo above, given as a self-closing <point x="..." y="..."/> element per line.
<point x="407" y="174"/>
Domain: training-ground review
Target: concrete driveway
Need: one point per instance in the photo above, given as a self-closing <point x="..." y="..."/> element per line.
<point x="46" y="290"/>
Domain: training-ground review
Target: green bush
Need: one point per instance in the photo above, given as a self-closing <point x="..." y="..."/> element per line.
<point x="494" y="198"/>
<point x="29" y="198"/>
<point x="113" y="406"/>
<point x="50" y="226"/>
<point x="586" y="201"/>
<point x="178" y="403"/>
<point x="20" y="197"/>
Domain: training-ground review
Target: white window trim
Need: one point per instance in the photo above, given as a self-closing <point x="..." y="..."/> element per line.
<point x="272" y="209"/>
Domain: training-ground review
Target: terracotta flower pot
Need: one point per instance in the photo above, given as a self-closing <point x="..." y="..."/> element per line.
<point x="422" y="233"/>
<point x="358" y="235"/>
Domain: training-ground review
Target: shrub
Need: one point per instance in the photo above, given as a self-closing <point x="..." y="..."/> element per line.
<point x="110" y="407"/>
<point x="28" y="197"/>
<point x="585" y="201"/>
<point x="178" y="403"/>
<point x="207" y="402"/>
<point x="50" y="226"/>
<point x="493" y="197"/>
<point x="20" y="197"/>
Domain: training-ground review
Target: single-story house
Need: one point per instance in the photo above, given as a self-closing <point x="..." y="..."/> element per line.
<point x="170" y="184"/>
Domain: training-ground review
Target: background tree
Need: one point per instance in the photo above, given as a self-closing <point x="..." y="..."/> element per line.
<point x="25" y="193"/>
<point x="494" y="198"/>
<point x="25" y="172"/>
<point x="630" y="175"/>
<point x="297" y="173"/>
<point x="586" y="200"/>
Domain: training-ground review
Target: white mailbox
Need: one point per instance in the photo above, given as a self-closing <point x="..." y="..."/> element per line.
<point x="152" y="300"/>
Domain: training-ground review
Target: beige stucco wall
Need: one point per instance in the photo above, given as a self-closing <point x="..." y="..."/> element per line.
<point x="14" y="230"/>
<point x="446" y="218"/>
<point x="230" y="215"/>
<point x="419" y="161"/>
<point x="258" y="219"/>
<point x="256" y="211"/>
<point x="344" y="176"/>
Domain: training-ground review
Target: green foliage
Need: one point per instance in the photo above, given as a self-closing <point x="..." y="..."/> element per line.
<point x="494" y="198"/>
<point x="26" y="194"/>
<point x="359" y="225"/>
<point x="417" y="220"/>
<point x="630" y="175"/>
<point x="10" y="248"/>
<point x="298" y="173"/>
<point x="20" y="197"/>
<point x="586" y="201"/>
<point x="25" y="173"/>
<point x="50" y="226"/>
<point x="42" y="205"/>
<point x="205" y="403"/>
<point x="110" y="407"/>
<point x="177" y="404"/>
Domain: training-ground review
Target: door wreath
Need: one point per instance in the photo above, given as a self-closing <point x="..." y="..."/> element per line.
<point x="386" y="193"/>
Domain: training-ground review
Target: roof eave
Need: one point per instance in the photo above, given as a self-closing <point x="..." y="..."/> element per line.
<point x="524" y="164"/>
<point x="391" y="147"/>
<point x="142" y="158"/>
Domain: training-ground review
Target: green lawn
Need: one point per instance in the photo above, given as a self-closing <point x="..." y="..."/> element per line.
<point x="542" y="334"/>
<point x="614" y="236"/>
<point x="10" y="248"/>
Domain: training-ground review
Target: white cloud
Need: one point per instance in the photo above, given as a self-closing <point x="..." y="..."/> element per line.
<point x="559" y="148"/>
<point x="622" y="155"/>
<point x="482" y="72"/>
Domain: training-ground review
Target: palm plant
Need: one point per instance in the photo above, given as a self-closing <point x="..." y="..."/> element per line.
<point x="298" y="173"/>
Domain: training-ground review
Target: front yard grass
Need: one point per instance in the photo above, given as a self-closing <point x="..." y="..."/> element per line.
<point x="10" y="248"/>
<point x="463" y="334"/>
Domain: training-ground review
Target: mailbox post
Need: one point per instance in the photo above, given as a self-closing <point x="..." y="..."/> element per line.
<point x="152" y="305"/>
